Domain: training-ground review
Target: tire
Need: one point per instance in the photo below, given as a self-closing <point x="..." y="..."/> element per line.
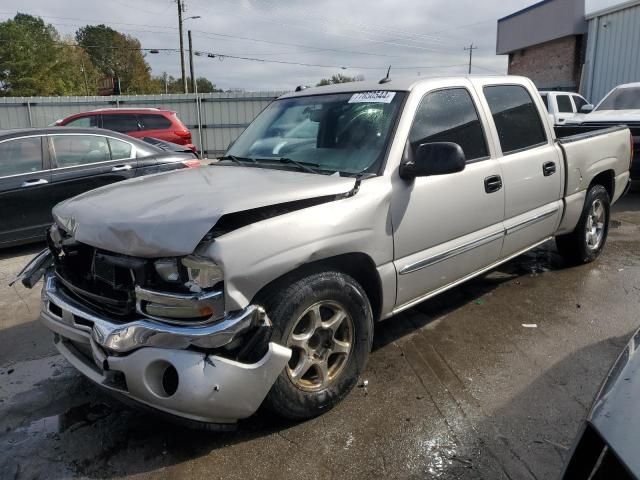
<point x="587" y="241"/>
<point x="319" y="373"/>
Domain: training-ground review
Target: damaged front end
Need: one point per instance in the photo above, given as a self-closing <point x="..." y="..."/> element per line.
<point x="156" y="330"/>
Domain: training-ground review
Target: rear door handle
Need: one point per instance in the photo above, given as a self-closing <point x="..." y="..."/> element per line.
<point x="548" y="169"/>
<point x="121" y="168"/>
<point x="492" y="184"/>
<point x="34" y="182"/>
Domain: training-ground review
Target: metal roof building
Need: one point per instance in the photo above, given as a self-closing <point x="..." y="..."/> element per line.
<point x="613" y="46"/>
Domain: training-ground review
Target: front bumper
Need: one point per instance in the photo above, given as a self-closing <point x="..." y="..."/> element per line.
<point x="149" y="362"/>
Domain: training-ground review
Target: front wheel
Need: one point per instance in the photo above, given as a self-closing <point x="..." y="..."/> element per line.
<point x="326" y="321"/>
<point x="587" y="241"/>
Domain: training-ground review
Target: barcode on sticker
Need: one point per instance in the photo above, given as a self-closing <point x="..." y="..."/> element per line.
<point x="380" y="96"/>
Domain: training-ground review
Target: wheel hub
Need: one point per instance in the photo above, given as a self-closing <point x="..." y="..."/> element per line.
<point x="321" y="341"/>
<point x="594" y="228"/>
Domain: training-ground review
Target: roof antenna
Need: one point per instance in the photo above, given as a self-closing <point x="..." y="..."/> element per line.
<point x="386" y="79"/>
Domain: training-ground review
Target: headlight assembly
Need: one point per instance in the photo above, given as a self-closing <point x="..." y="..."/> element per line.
<point x="167" y="268"/>
<point x="202" y="272"/>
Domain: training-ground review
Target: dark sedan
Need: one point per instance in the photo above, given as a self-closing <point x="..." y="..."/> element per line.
<point x="40" y="167"/>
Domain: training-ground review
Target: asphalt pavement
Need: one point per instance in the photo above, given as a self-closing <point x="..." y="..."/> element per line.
<point x="457" y="387"/>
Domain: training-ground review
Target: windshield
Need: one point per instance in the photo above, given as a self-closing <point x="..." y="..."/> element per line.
<point x="345" y="132"/>
<point x="627" y="98"/>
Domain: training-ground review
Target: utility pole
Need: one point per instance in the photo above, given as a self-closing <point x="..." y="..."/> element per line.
<point x="184" y="77"/>
<point x="471" y="48"/>
<point x="193" y="77"/>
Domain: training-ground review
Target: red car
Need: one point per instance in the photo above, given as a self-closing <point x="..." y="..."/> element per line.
<point x="136" y="122"/>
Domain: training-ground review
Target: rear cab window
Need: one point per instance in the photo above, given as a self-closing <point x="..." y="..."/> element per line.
<point x="20" y="156"/>
<point x="516" y="118"/>
<point x="450" y="115"/>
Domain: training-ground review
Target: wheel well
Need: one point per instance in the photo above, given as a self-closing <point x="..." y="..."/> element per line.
<point x="607" y="180"/>
<point x="357" y="265"/>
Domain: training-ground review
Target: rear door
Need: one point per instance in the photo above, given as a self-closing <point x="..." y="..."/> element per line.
<point x="25" y="195"/>
<point x="531" y="165"/>
<point x="126" y="123"/>
<point x="83" y="162"/>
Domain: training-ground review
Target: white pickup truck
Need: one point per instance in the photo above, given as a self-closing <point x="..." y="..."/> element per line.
<point x="562" y="106"/>
<point x="205" y="293"/>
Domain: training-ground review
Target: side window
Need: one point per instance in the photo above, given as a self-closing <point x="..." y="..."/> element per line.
<point x="72" y="150"/>
<point x="22" y="155"/>
<point x="119" y="150"/>
<point x="564" y="104"/>
<point x="122" y="123"/>
<point x="89" y="121"/>
<point x="154" y="122"/>
<point x="449" y="116"/>
<point x="545" y="99"/>
<point x="516" y="117"/>
<point x="579" y="101"/>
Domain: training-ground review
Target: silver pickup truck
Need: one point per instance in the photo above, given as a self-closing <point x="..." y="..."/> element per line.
<point x="206" y="293"/>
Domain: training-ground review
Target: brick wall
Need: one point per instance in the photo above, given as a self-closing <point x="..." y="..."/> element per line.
<point x="554" y="64"/>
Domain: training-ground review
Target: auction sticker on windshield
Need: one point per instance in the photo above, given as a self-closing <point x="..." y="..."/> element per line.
<point x="380" y="96"/>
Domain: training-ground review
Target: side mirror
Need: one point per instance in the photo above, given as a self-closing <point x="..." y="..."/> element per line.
<point x="588" y="108"/>
<point x="438" y="158"/>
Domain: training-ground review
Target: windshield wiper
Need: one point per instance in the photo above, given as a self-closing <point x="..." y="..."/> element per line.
<point x="238" y="160"/>
<point x="306" y="166"/>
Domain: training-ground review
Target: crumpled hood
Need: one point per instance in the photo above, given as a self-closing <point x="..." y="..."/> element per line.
<point x="168" y="214"/>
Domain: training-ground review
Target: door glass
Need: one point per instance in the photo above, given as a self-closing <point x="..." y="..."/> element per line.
<point x="23" y="155"/>
<point x="119" y="150"/>
<point x="154" y="122"/>
<point x="89" y="121"/>
<point x="564" y="104"/>
<point x="72" y="150"/>
<point x="579" y="101"/>
<point x="122" y="122"/>
<point x="449" y="116"/>
<point x="516" y="117"/>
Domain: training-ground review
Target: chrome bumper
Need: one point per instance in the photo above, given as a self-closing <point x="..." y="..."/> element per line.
<point x="148" y="362"/>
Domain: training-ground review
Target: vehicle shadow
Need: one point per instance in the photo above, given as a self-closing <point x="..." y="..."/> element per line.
<point x="20" y="250"/>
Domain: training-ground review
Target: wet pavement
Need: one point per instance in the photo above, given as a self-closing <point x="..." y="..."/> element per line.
<point x="456" y="387"/>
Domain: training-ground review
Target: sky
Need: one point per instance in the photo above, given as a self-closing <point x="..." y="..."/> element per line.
<point x="415" y="37"/>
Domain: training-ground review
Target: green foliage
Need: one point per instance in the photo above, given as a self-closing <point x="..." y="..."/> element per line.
<point x="168" y="84"/>
<point x="34" y="60"/>
<point x="339" y="78"/>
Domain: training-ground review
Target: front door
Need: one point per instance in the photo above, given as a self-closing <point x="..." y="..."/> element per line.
<point x="25" y="196"/>
<point x="531" y="167"/>
<point x="449" y="226"/>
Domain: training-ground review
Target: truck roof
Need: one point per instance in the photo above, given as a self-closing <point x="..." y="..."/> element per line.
<point x="405" y="84"/>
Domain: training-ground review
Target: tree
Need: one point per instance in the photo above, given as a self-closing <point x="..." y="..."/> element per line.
<point x="339" y="78"/>
<point x="34" y="60"/>
<point x="165" y="83"/>
<point x="118" y="55"/>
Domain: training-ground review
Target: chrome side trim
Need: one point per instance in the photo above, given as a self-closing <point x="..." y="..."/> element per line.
<point x="531" y="221"/>
<point x="427" y="262"/>
<point x="438" y="291"/>
<point x="126" y="337"/>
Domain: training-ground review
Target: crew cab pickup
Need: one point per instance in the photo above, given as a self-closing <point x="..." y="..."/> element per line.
<point x="208" y="292"/>
<point x="564" y="105"/>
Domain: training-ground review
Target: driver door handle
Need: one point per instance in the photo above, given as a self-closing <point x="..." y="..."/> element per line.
<point x="121" y="168"/>
<point x="34" y="182"/>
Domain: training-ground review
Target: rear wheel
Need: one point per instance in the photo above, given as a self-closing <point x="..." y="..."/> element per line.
<point x="587" y="241"/>
<point x="326" y="321"/>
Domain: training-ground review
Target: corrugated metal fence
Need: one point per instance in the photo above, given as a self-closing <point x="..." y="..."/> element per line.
<point x="215" y="119"/>
<point x="613" y="53"/>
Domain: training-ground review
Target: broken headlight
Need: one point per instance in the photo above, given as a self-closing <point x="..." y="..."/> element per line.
<point x="202" y="273"/>
<point x="168" y="270"/>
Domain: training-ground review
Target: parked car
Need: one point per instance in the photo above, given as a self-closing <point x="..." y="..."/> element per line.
<point x="563" y="105"/>
<point x="261" y="276"/>
<point x="607" y="445"/>
<point x="136" y="122"/>
<point x="621" y="106"/>
<point x="40" y="167"/>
